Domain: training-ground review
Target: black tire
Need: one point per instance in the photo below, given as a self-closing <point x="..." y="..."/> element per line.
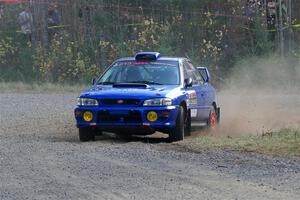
<point x="218" y="115"/>
<point x="86" y="134"/>
<point x="212" y="120"/>
<point x="188" y="124"/>
<point x="177" y="133"/>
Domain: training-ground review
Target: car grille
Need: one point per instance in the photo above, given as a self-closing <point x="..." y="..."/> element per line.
<point x="119" y="116"/>
<point x="120" y="102"/>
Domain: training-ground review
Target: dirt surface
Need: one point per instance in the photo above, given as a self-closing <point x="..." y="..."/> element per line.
<point x="253" y="112"/>
<point x="41" y="158"/>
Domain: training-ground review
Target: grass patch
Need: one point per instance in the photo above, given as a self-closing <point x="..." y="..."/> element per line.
<point x="282" y="142"/>
<point x="40" y="87"/>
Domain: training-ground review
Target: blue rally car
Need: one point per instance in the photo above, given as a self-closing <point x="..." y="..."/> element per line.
<point x="148" y="93"/>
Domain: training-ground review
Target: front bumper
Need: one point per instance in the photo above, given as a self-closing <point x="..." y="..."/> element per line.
<point x="118" y="119"/>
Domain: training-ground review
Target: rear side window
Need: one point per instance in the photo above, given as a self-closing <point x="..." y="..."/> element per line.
<point x="191" y="72"/>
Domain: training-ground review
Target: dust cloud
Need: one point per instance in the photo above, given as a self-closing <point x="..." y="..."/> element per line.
<point x="260" y="96"/>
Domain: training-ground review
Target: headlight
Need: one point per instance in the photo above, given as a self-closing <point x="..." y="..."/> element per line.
<point x="158" y="102"/>
<point x="87" y="102"/>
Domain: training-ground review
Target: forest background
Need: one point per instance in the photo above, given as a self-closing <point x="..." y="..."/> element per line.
<point x="91" y="34"/>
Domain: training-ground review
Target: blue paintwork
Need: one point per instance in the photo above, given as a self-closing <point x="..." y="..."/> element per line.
<point x="199" y="97"/>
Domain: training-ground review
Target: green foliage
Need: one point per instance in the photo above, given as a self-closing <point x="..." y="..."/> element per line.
<point x="94" y="33"/>
<point x="8" y="51"/>
<point x="258" y="42"/>
<point x="41" y="87"/>
<point x="64" y="61"/>
<point x="149" y="36"/>
<point x="15" y="60"/>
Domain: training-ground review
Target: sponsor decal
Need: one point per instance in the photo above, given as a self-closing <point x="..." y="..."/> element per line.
<point x="194" y="112"/>
<point x="192" y="98"/>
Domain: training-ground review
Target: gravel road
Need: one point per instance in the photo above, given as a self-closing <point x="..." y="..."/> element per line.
<point x="41" y="158"/>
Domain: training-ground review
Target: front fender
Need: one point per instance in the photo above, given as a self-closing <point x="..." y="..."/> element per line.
<point x="182" y="98"/>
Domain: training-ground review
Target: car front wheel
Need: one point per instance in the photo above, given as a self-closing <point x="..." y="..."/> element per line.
<point x="188" y="124"/>
<point x="86" y="134"/>
<point x="177" y="133"/>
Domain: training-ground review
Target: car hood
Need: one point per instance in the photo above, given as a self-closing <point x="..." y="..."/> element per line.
<point x="170" y="91"/>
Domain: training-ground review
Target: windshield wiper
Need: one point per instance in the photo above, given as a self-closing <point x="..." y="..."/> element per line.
<point x="147" y="82"/>
<point x="106" y="83"/>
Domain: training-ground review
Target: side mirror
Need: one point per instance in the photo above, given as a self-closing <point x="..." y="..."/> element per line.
<point x="188" y="82"/>
<point x="93" y="81"/>
<point x="204" y="73"/>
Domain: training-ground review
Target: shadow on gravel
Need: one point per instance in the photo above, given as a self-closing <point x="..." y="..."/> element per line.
<point x="113" y="138"/>
<point x="155" y="138"/>
<point x="145" y="139"/>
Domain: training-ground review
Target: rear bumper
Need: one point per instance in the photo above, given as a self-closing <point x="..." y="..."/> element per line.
<point x="128" y="119"/>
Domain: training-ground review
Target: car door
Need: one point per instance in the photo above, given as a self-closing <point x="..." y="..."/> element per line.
<point x="200" y="111"/>
<point x="211" y="91"/>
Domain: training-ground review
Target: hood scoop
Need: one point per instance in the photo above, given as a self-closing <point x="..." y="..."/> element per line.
<point x="131" y="85"/>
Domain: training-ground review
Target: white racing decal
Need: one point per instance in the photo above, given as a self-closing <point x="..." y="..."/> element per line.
<point x="194" y="112"/>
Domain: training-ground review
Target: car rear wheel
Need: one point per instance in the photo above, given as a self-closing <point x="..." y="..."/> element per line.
<point x="213" y="118"/>
<point x="87" y="134"/>
<point x="177" y="133"/>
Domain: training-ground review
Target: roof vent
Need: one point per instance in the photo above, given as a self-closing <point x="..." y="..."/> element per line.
<point x="147" y="56"/>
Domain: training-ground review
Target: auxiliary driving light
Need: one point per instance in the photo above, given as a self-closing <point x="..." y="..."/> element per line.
<point x="152" y="116"/>
<point x="88" y="116"/>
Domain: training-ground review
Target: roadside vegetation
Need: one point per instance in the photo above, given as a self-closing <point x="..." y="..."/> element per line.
<point x="40" y="88"/>
<point x="90" y="35"/>
<point x="285" y="142"/>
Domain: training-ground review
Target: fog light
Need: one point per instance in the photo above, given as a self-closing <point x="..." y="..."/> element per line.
<point x="152" y="116"/>
<point x="88" y="116"/>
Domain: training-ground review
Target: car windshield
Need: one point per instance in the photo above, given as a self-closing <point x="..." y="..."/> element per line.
<point x="152" y="73"/>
